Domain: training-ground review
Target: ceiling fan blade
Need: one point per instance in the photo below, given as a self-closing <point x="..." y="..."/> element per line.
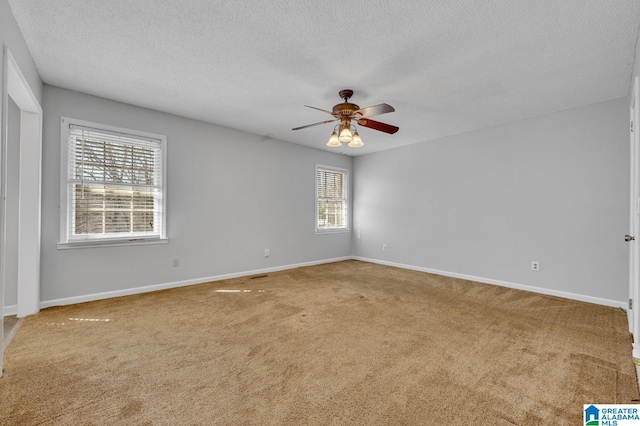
<point x="320" y="109"/>
<point x="314" y="124"/>
<point x="376" y="125"/>
<point x="374" y="110"/>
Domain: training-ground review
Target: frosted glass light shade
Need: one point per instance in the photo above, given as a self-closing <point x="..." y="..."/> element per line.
<point x="334" y="142"/>
<point x="356" y="142"/>
<point x="345" y="135"/>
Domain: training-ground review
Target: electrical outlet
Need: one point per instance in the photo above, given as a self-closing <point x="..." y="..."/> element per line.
<point x="176" y="263"/>
<point x="385" y="248"/>
<point x="267" y="253"/>
<point x="535" y="265"/>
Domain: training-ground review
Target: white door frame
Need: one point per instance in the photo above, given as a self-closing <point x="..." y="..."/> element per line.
<point x="16" y="86"/>
<point x="633" y="205"/>
<point x="633" y="313"/>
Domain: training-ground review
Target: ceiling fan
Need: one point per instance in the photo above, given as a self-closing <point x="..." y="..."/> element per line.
<point x="347" y="112"/>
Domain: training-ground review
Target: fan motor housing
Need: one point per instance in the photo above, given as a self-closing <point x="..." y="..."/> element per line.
<point x="345" y="109"/>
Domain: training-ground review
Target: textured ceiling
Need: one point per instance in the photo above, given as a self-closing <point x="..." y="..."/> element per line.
<point x="446" y="66"/>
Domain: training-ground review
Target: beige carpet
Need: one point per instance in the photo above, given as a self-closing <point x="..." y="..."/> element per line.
<point x="343" y="343"/>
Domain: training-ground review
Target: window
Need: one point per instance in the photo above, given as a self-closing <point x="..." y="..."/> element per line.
<point x="331" y="199"/>
<point x="113" y="185"/>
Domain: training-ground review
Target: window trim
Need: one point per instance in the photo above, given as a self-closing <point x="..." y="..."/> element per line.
<point x="345" y="183"/>
<point x="64" y="242"/>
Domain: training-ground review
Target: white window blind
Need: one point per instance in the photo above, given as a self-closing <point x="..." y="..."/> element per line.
<point x="114" y="186"/>
<point x="331" y="199"/>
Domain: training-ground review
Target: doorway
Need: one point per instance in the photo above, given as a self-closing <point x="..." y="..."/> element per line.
<point x="19" y="233"/>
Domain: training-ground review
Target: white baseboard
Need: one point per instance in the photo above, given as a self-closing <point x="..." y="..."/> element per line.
<point x="10" y="310"/>
<point x="541" y="290"/>
<point x="164" y="286"/>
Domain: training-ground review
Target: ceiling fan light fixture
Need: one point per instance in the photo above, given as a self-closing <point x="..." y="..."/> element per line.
<point x="356" y="142"/>
<point x="334" y="142"/>
<point x="347" y="114"/>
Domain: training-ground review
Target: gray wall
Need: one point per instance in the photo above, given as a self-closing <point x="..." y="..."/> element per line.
<point x="552" y="189"/>
<point x="231" y="195"/>
<point x="12" y="212"/>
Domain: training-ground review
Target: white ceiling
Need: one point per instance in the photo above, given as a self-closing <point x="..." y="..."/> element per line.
<point x="446" y="66"/>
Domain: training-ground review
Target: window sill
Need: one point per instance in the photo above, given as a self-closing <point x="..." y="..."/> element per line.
<point x="111" y="243"/>
<point x="332" y="231"/>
